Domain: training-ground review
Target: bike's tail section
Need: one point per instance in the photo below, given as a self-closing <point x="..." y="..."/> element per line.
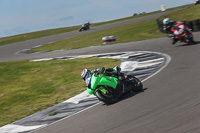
<point x="102" y="80"/>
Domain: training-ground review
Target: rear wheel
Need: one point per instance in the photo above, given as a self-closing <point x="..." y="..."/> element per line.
<point x="108" y="98"/>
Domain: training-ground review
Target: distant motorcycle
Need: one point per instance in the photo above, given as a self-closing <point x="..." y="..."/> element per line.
<point x="85" y="27"/>
<point x="104" y="85"/>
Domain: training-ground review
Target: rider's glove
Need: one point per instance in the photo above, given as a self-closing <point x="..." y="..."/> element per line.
<point x="94" y="70"/>
<point x="101" y="70"/>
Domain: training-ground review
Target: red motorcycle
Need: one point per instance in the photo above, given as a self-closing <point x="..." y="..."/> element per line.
<point x="183" y="34"/>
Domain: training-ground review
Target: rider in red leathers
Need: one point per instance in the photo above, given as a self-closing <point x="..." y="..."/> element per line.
<point x="173" y="29"/>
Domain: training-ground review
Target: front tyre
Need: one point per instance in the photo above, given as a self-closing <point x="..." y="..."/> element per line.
<point x="106" y="98"/>
<point x="137" y="84"/>
<point x="190" y="39"/>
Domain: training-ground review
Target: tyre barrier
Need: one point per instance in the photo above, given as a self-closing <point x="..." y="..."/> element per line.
<point x="160" y="25"/>
<point x="189" y="25"/>
<point x="194" y="25"/>
<point x="109" y="39"/>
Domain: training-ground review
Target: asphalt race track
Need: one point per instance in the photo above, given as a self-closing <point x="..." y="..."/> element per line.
<point x="170" y="102"/>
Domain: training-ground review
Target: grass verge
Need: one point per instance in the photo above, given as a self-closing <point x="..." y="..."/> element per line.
<point x="190" y="13"/>
<point x="27" y="87"/>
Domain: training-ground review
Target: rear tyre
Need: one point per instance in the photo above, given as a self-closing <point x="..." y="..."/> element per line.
<point x="106" y="98"/>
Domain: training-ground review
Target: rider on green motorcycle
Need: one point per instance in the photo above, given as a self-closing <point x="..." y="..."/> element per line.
<point x="87" y="74"/>
<point x="110" y="84"/>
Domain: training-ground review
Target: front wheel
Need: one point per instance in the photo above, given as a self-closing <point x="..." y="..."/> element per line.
<point x="137" y="84"/>
<point x="189" y="37"/>
<point x="80" y="29"/>
<point x="107" y="98"/>
<point x="191" y="41"/>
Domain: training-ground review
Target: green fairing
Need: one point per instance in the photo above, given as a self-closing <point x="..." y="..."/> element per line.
<point x="90" y="91"/>
<point x="97" y="83"/>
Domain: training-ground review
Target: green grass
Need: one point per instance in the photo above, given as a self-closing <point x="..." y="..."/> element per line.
<point x="27" y="87"/>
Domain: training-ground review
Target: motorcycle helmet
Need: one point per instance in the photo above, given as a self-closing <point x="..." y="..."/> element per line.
<point x="166" y="21"/>
<point x="85" y="73"/>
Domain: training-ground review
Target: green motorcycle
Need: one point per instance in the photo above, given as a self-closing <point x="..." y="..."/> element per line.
<point x="110" y="84"/>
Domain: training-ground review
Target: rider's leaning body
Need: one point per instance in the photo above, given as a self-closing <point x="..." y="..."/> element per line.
<point x="173" y="28"/>
<point x="87" y="75"/>
<point x="87" y="24"/>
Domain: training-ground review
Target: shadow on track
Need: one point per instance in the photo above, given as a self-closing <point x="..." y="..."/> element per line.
<point x="185" y="44"/>
<point x="126" y="96"/>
